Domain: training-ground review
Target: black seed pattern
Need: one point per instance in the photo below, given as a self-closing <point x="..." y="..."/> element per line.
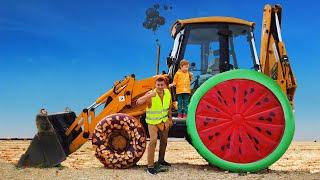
<point x="228" y="146"/>
<point x="259" y="129"/>
<point x="208" y="119"/>
<point x="268" y="132"/>
<point x="256" y="148"/>
<point x="269" y="119"/>
<point x="272" y="114"/>
<point x="234" y="89"/>
<point x="225" y="102"/>
<point x="251" y="90"/>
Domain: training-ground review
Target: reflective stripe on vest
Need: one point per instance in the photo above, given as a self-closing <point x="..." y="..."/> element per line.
<point x="158" y="112"/>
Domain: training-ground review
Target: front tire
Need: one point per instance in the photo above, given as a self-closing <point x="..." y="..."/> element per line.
<point x="120" y="141"/>
<point x="240" y="121"/>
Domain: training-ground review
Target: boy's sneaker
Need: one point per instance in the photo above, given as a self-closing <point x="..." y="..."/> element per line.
<point x="164" y="163"/>
<point x="160" y="167"/>
<point x="151" y="171"/>
<point x="180" y="116"/>
<point x="184" y="116"/>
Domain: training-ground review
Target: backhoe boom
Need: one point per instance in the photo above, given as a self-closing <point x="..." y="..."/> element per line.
<point x="273" y="55"/>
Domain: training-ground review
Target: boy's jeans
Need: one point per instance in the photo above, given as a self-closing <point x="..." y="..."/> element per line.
<point x="163" y="131"/>
<point x="183" y="101"/>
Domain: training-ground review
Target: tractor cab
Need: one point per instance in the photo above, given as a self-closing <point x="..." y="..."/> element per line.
<point x="212" y="45"/>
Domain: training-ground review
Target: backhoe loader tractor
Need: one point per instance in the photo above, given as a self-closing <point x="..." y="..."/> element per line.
<point x="240" y="116"/>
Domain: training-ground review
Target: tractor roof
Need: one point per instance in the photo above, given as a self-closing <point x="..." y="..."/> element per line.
<point x="212" y="19"/>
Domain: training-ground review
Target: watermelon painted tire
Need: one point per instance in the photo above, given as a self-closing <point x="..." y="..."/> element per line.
<point x="240" y="121"/>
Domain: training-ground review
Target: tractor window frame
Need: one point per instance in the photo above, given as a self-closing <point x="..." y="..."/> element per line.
<point x="180" y="52"/>
<point x="187" y="31"/>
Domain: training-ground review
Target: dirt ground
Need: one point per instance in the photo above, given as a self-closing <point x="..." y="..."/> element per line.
<point x="301" y="161"/>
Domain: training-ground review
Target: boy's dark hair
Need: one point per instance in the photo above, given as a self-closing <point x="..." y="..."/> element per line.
<point x="183" y="62"/>
<point x="160" y="79"/>
<point x="163" y="79"/>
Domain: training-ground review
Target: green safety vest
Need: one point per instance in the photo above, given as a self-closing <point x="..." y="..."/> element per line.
<point x="158" y="112"/>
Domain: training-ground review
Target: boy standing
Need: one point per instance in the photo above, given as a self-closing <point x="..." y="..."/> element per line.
<point x="182" y="80"/>
<point x="159" y="120"/>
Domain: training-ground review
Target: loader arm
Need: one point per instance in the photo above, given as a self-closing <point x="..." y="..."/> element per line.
<point x="273" y="55"/>
<point x="119" y="99"/>
<point x="60" y="134"/>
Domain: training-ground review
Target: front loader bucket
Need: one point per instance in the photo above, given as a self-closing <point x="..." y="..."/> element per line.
<point x="44" y="151"/>
<point x="50" y="146"/>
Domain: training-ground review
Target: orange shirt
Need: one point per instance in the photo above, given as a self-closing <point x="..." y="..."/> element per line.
<point x="182" y="82"/>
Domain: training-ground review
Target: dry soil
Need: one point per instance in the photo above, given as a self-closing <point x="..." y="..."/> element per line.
<point x="301" y="161"/>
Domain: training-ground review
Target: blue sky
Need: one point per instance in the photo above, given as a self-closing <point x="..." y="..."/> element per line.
<point x="55" y="54"/>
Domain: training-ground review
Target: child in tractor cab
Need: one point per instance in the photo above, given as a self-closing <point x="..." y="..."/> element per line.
<point x="182" y="80"/>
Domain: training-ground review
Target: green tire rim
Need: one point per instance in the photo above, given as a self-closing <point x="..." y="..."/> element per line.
<point x="241" y="167"/>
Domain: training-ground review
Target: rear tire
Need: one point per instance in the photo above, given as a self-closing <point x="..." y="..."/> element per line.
<point x="240" y="121"/>
<point x="120" y="141"/>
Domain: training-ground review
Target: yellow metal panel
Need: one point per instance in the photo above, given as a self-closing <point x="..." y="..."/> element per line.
<point x="211" y="19"/>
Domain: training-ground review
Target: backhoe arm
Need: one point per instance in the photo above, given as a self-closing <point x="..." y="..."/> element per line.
<point x="273" y="55"/>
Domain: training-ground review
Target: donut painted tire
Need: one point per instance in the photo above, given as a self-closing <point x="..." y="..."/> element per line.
<point x="119" y="140"/>
<point x="240" y="121"/>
